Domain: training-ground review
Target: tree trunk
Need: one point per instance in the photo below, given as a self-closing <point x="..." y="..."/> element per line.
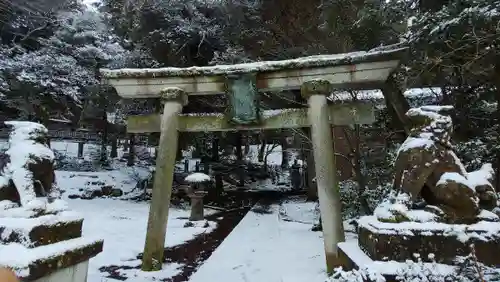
<point x="219" y="186"/>
<point x="312" y="188"/>
<point x="262" y="149"/>
<point x="497" y="82"/>
<point x="462" y="101"/>
<point x="114" y="147"/>
<point x="215" y="149"/>
<point x="104" y="139"/>
<point x="247" y="146"/>
<point x="81" y="146"/>
<point x="239" y="158"/>
<point x="497" y="174"/>
<point x="285" y="156"/>
<point x="125" y="145"/>
<point x="178" y="152"/>
<point x="397" y="104"/>
<point x="355" y="144"/>
<point x="131" y="150"/>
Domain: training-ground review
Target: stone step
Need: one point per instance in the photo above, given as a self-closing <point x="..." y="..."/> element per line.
<point x="40" y="231"/>
<point x="354" y="258"/>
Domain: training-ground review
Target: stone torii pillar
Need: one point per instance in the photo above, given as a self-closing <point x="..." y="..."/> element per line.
<point x="316" y="93"/>
<point x="174" y="99"/>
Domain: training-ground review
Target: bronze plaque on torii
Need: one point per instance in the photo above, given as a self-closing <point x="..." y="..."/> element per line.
<point x="243" y="99"/>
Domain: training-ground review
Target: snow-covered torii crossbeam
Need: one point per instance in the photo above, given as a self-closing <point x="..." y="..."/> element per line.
<point x="357" y="70"/>
<point x="315" y="76"/>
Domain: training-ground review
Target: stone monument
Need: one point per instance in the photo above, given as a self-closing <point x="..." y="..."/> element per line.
<point x="40" y="238"/>
<point x="436" y="209"/>
<point x="197" y="191"/>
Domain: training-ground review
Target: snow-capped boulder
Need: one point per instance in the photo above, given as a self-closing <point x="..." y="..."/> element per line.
<point x="27" y="174"/>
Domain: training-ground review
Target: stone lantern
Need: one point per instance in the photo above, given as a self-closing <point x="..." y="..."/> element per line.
<point x="198" y="183"/>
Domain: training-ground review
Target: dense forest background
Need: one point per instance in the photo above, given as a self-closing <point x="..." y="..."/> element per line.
<point x="51" y="52"/>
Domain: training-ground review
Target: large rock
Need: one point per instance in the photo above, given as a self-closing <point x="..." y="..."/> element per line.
<point x="457" y="200"/>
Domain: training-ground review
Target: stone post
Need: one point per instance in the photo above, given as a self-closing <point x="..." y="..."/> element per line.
<point x="316" y="93"/>
<point x="197" y="205"/>
<point x="174" y="99"/>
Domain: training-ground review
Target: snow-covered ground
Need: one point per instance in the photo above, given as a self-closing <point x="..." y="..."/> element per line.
<point x="122" y="225"/>
<point x="266" y="247"/>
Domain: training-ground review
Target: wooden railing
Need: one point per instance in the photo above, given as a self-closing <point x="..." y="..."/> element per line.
<point x="73" y="135"/>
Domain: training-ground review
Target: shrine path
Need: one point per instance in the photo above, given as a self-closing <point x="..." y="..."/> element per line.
<point x="266" y="247"/>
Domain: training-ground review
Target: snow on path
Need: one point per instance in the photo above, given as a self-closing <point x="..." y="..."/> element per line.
<point x="265" y="248"/>
<point x="122" y="225"/>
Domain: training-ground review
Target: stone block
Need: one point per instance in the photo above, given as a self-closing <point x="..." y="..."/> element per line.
<point x="37" y="264"/>
<point x="442" y="242"/>
<point x="44" y="230"/>
<point x="197" y="207"/>
<point x="75" y="273"/>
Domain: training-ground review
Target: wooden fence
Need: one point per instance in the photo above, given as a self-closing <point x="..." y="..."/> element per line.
<point x="83" y="136"/>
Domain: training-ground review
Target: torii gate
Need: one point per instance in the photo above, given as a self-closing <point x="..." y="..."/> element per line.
<point x="315" y="76"/>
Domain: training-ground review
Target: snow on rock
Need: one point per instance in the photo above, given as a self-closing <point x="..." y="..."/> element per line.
<point x="197" y="177"/>
<point x="482" y="176"/>
<point x="473" y="180"/>
<point x="437" y="109"/>
<point x="454" y="177"/>
<point x="420" y="216"/>
<point x="23" y="226"/>
<point x="437" y="120"/>
<point x="396" y="209"/>
<point x="488" y="216"/>
<point x="264" y="66"/>
<point x="19" y="257"/>
<point x="412" y="142"/>
<point x="483" y="230"/>
<point x="26" y="146"/>
<point x="47" y="220"/>
<point x="6" y="204"/>
<point x="25" y="130"/>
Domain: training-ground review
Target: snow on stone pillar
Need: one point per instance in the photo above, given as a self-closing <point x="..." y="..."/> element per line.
<point x="316" y="93"/>
<point x="199" y="183"/>
<point x="174" y="99"/>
